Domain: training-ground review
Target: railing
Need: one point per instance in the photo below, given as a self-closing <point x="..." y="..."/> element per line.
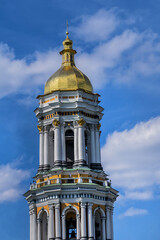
<point x="75" y="180"/>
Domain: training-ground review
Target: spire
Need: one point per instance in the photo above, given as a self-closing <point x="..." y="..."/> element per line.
<point x="68" y="52"/>
<point x="67" y="29"/>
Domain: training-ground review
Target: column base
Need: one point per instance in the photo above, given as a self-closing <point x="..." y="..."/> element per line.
<point x="80" y="163"/>
<point x="91" y="238"/>
<point x="46" y="167"/>
<point x="58" y="163"/>
<point x="96" y="166"/>
<point x="40" y="169"/>
<point x="64" y="164"/>
<point x="83" y="238"/>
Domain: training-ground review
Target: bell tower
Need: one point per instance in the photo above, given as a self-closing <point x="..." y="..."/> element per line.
<point x="71" y="196"/>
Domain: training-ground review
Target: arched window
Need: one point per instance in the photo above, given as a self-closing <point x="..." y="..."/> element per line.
<point x="44" y="228"/>
<point x="98" y="226"/>
<point x="71" y="230"/>
<point x="69" y="136"/>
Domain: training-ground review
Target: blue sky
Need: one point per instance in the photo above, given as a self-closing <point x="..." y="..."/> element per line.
<point x="118" y="45"/>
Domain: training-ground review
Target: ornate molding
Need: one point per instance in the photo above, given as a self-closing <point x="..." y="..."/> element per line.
<point x="39" y="128"/>
<point x="81" y="122"/>
<point x="56" y="123"/>
<point x="33" y="211"/>
<point x="98" y="126"/>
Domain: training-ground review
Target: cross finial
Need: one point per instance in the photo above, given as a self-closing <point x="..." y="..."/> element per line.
<point x="67" y="29"/>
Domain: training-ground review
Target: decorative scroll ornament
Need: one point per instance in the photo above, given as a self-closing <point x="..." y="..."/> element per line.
<point x="98" y="126"/>
<point x="56" y="123"/>
<point x="39" y="128"/>
<point x="81" y="122"/>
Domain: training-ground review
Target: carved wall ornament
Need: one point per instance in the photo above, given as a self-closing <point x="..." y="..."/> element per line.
<point x="56" y="122"/>
<point x="39" y="128"/>
<point x="98" y="126"/>
<point x="81" y="122"/>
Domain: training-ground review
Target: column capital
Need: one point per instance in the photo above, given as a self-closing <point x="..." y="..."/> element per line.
<point x="98" y="126"/>
<point x="33" y="211"/>
<point x="81" y="122"/>
<point x="46" y="128"/>
<point x="51" y="207"/>
<point x="57" y="205"/>
<point x="56" y="123"/>
<point x="109" y="208"/>
<point x="75" y="124"/>
<point x="92" y="126"/>
<point x="90" y="205"/>
<point x="40" y="129"/>
<point x="83" y="204"/>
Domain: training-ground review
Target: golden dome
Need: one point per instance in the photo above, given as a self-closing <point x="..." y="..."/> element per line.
<point x="68" y="76"/>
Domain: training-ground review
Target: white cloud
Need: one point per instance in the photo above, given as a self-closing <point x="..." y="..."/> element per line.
<point x="24" y="75"/>
<point x="98" y="26"/>
<point x="10" y="183"/>
<point x="120" y="54"/>
<point x="132" y="158"/>
<point x="133" y="212"/>
<point x="105" y="57"/>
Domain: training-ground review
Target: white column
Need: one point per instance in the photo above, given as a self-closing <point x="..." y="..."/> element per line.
<point x="41" y="150"/>
<point x="78" y="227"/>
<point x="97" y="147"/>
<point x="51" y="150"/>
<point x="81" y="144"/>
<point x="63" y="227"/>
<point x="46" y="148"/>
<point x="51" y="223"/>
<point x="33" y="224"/>
<point x="90" y="222"/>
<point x="57" y="222"/>
<point x="93" y="157"/>
<point x="39" y="229"/>
<point x="63" y="144"/>
<point x="103" y="229"/>
<point x="111" y="216"/>
<point x="108" y="223"/>
<point x="57" y="146"/>
<point x="76" y="158"/>
<point x="94" y="230"/>
<point x="83" y="221"/>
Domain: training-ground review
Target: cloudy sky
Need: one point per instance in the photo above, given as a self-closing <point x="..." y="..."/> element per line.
<point x="118" y="45"/>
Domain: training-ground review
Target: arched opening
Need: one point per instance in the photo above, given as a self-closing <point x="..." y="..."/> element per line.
<point x="98" y="226"/>
<point x="71" y="230"/>
<point x="69" y="136"/>
<point x="44" y="226"/>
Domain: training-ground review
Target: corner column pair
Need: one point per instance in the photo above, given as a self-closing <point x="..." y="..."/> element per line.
<point x="43" y="148"/>
<point x="109" y="222"/>
<point x="79" y="143"/>
<point x="84" y="222"/>
<point x="95" y="147"/>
